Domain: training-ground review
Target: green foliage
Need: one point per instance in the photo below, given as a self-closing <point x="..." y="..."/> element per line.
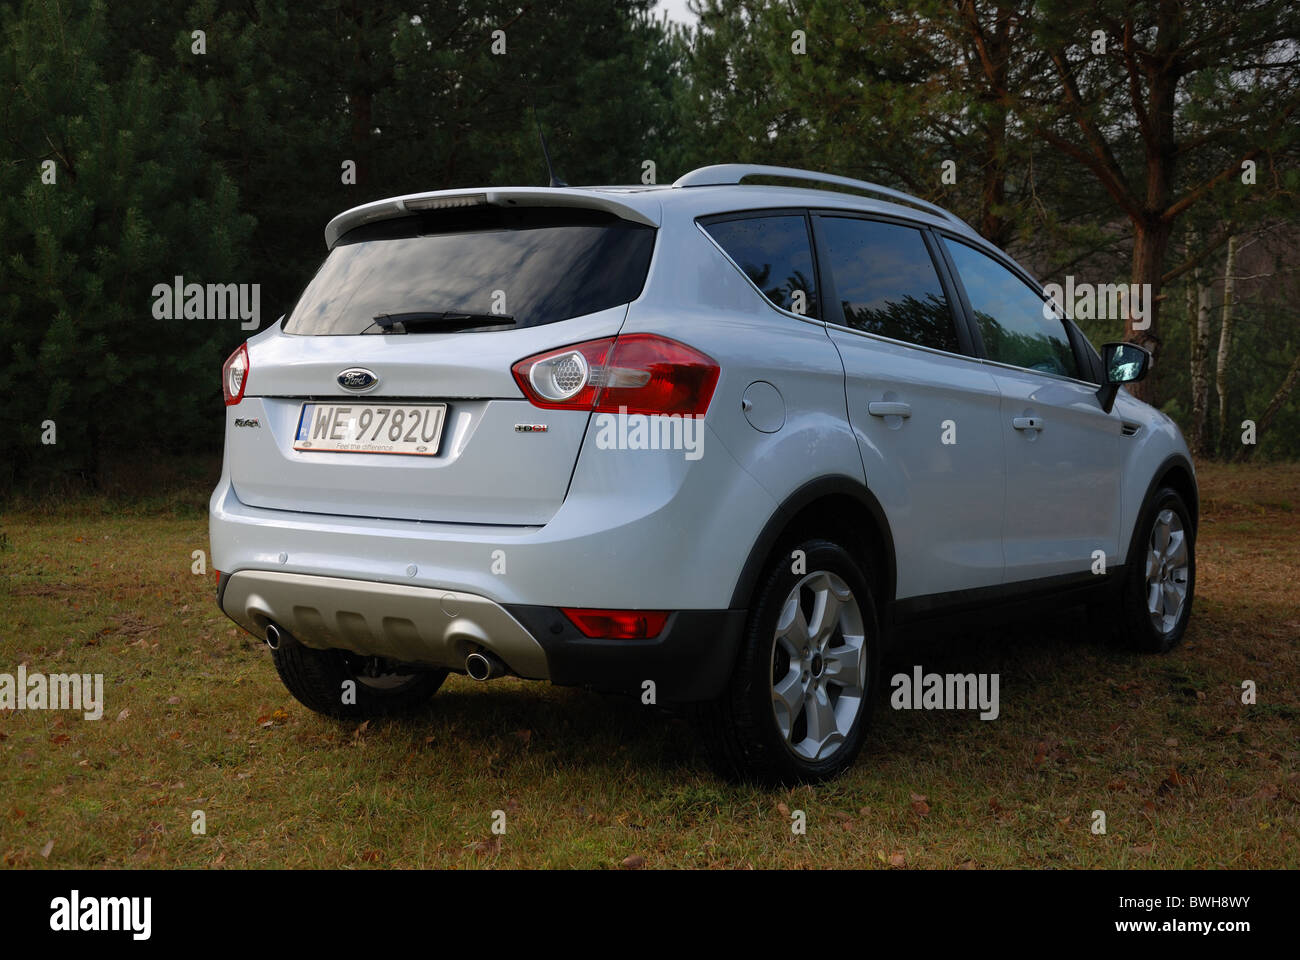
<point x="135" y="199"/>
<point x="223" y="167"/>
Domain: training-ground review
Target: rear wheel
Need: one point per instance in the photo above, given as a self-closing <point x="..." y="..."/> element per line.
<point x="801" y="694"/>
<point x="347" y="685"/>
<point x="1159" y="583"/>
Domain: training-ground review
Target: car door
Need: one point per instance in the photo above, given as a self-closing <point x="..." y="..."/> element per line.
<point x="1062" y="448"/>
<point x="926" y="413"/>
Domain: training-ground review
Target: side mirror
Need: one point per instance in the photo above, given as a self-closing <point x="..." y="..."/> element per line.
<point x="1124" y="363"/>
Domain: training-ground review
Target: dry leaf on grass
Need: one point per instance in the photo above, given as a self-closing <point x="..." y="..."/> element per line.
<point x="489" y="847"/>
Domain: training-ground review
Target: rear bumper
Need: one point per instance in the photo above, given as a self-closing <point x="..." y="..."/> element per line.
<point x="690" y="660"/>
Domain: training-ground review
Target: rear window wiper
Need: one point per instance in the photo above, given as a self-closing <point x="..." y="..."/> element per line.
<point x="441" y="319"/>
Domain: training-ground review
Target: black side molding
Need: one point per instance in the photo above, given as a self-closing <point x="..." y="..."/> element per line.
<point x="806" y="495"/>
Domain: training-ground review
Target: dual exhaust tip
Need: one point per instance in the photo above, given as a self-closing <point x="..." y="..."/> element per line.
<point x="480" y="665"/>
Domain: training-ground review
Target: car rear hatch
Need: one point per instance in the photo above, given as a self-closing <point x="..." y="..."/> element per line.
<point x="387" y="391"/>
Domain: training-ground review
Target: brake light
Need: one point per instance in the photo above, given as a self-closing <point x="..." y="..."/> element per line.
<point x="618" y="624"/>
<point x="633" y="373"/>
<point x="234" y="375"/>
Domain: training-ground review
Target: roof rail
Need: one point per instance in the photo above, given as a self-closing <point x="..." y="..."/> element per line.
<point x="723" y="174"/>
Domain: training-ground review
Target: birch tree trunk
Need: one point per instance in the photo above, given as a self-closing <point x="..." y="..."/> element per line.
<point x="1198" y="321"/>
<point x="1225" y="347"/>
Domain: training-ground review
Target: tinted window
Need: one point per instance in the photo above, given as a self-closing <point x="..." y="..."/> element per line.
<point x="886" y="282"/>
<point x="536" y="265"/>
<point x="776" y="254"/>
<point x="1010" y="316"/>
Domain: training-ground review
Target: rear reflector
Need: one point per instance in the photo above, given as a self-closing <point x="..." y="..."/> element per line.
<point x="632" y="373"/>
<point x="618" y="624"/>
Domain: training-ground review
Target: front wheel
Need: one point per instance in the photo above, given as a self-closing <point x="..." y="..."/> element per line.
<point x="800" y="697"/>
<point x="1156" y="600"/>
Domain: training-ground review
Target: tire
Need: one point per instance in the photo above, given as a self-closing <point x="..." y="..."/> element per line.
<point x="316" y="678"/>
<point x="785" y="717"/>
<point x="1163" y="556"/>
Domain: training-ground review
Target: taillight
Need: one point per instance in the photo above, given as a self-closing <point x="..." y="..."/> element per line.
<point x="618" y="624"/>
<point x="633" y="373"/>
<point x="234" y="375"/>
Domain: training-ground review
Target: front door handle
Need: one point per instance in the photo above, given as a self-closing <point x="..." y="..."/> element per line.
<point x="1027" y="423"/>
<point x="889" y="408"/>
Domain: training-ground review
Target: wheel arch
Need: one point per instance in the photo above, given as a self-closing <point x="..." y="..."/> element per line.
<point x="1175" y="471"/>
<point x="828" y="506"/>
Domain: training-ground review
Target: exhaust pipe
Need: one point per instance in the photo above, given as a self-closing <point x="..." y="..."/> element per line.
<point x="482" y="665"/>
<point x="274" y="636"/>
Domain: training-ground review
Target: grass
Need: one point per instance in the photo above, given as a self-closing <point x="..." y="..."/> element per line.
<point x="196" y="719"/>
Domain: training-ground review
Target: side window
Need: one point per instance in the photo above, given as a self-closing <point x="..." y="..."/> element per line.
<point x="1011" y="318"/>
<point x="886" y="282"/>
<point x="776" y="254"/>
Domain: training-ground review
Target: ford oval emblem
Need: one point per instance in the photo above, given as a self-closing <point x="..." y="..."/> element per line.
<point x="357" y="378"/>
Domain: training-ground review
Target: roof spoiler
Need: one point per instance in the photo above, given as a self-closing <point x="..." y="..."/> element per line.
<point x="502" y="197"/>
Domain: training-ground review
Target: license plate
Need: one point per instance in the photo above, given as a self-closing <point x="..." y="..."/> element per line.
<point x="412" y="429"/>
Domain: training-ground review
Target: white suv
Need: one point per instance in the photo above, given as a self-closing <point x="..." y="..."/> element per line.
<point x="707" y="443"/>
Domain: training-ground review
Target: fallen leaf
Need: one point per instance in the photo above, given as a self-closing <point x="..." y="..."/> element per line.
<point x="782" y="809"/>
<point x="1172" y="781"/>
<point x="490" y="847"/>
<point x="634" y="862"/>
<point x="919" y="806"/>
<point x="126" y="712"/>
<point x="46" y="850"/>
<point x="371" y="856"/>
<point x="1267" y="792"/>
<point x="897" y="860"/>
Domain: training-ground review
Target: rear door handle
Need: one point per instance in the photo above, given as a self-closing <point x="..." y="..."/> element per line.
<point x="889" y="408"/>
<point x="1027" y="423"/>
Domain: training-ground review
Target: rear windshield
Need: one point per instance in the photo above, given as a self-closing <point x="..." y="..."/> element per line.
<point x="535" y="265"/>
